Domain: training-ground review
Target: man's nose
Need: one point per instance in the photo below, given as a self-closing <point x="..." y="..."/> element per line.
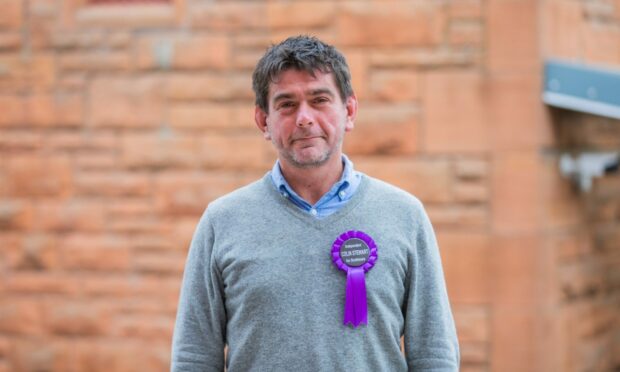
<point x="304" y="115"/>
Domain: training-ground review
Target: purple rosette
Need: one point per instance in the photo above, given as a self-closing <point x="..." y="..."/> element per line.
<point x="354" y="252"/>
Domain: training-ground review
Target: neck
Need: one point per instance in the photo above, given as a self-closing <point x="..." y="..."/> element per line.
<point x="313" y="182"/>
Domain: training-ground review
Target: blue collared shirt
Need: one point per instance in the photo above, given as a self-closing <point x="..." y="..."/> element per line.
<point x="339" y="194"/>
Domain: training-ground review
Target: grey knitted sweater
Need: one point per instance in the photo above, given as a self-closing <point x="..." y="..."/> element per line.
<point x="259" y="278"/>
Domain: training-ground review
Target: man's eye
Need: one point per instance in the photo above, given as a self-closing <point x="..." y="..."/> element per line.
<point x="321" y="100"/>
<point x="287" y="104"/>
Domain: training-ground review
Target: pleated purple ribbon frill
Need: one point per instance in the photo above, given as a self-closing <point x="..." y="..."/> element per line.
<point x="356" y="307"/>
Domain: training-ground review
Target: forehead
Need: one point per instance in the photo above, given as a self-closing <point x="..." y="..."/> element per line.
<point x="298" y="81"/>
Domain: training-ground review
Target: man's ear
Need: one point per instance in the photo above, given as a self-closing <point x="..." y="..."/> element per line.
<point x="351" y="105"/>
<point x="260" y="117"/>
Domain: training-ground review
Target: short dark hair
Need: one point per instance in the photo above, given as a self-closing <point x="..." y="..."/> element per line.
<point x="303" y="53"/>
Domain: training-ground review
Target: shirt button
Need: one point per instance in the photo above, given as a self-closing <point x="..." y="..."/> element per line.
<point x="284" y="195"/>
<point x="342" y="194"/>
<point x="313" y="212"/>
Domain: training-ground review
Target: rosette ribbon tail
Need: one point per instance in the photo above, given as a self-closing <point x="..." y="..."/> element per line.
<point x="355" y="309"/>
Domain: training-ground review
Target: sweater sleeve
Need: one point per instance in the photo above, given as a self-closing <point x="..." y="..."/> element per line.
<point x="430" y="336"/>
<point x="199" y="333"/>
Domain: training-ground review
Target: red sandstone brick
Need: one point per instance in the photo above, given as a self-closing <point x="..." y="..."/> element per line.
<point x="230" y="16"/>
<point x="158" y="152"/>
<point x="85" y="252"/>
<point x="13" y="110"/>
<point x="562" y="24"/>
<point x="602" y="44"/>
<point x="136" y="16"/>
<point x="131" y="226"/>
<point x="251" y="151"/>
<point x="126" y="102"/>
<point x="196" y="52"/>
<point x="455" y="216"/>
<point x="466" y="266"/>
<point x="21" y="316"/>
<point x="59" y="110"/>
<point x="570" y="246"/>
<point x="428" y="179"/>
<point x="512" y="29"/>
<point x="389" y="24"/>
<point x="251" y="40"/>
<point x="77" y="39"/>
<point x="187" y="194"/>
<point x="122" y="355"/>
<point x="119" y="40"/>
<point x="454" y="112"/>
<point x="16" y="140"/>
<point x="12" y="14"/>
<point x="516" y="205"/>
<point x="122" y="286"/>
<point x="465" y="9"/>
<point x="512" y="126"/>
<point x="203" y="52"/>
<point x="113" y="184"/>
<point x="200" y="116"/>
<point x="474" y="356"/>
<point x="70" y="82"/>
<point x="33" y="354"/>
<point x="159" y="263"/>
<point x="73" y="215"/>
<point x="562" y="207"/>
<point x="358" y="66"/>
<point x="29" y="282"/>
<point x="517" y="333"/>
<point x="96" y="161"/>
<point x="395" y="86"/>
<point x="599" y="12"/>
<point x="5" y="346"/>
<point x="95" y="61"/>
<point x="427" y="58"/>
<point x="243" y="116"/>
<point x="468" y="34"/>
<point x="32" y="176"/>
<point x="246" y="60"/>
<point x="199" y="86"/>
<point x="520" y="269"/>
<point x="154" y="328"/>
<point x="16" y="214"/>
<point x="393" y="130"/>
<point x="302" y="14"/>
<point x="10" y="40"/>
<point x="473" y="323"/>
<point x="35" y="251"/>
<point x="471" y="168"/>
<point x="471" y="192"/>
<point x="72" y="318"/>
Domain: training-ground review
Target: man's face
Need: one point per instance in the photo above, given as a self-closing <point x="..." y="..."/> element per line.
<point x="307" y="118"/>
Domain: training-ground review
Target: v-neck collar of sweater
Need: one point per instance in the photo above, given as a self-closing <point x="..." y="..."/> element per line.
<point x="308" y="219"/>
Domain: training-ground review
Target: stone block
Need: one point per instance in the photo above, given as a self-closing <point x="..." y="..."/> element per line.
<point x="513" y="29"/>
<point x="429" y="179"/>
<point x="454" y="106"/>
<point x="390" y="24"/>
<point x="303" y="14"/>
<point x="467" y="268"/>
<point x="395" y="86"/>
<point x="134" y="102"/>
<point x="383" y="130"/>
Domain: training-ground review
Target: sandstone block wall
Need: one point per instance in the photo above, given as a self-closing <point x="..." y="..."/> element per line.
<point x="120" y="122"/>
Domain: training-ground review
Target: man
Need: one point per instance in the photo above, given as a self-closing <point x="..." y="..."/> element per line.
<point x="315" y="267"/>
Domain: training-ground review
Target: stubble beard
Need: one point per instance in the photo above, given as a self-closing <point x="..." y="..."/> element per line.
<point x="297" y="161"/>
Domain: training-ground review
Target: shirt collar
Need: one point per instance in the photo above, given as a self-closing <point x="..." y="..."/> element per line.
<point x="347" y="178"/>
